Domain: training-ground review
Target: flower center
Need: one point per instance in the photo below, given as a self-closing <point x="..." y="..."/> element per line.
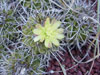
<point x="48" y="33"/>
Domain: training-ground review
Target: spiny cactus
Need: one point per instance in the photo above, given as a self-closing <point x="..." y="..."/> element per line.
<point x="19" y="60"/>
<point x="7" y="23"/>
<point x="79" y="30"/>
<point x="37" y="29"/>
<point x="21" y="37"/>
<point x="28" y="3"/>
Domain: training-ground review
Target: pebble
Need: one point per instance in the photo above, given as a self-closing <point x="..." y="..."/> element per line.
<point x="51" y="71"/>
<point x="56" y="63"/>
<point x="61" y="73"/>
<point x="58" y="69"/>
<point x="96" y="74"/>
<point x="71" y="70"/>
<point x="68" y="60"/>
<point x="83" y="69"/>
<point x="79" y="73"/>
<point x="56" y="73"/>
<point x="98" y="60"/>
<point x="78" y="58"/>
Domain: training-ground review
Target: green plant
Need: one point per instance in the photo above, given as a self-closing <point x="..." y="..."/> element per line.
<point x="78" y="32"/>
<point x="14" y="64"/>
<point x="49" y="33"/>
<point x="37" y="30"/>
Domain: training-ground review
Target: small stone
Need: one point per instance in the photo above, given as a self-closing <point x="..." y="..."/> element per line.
<point x="53" y="67"/>
<point x="92" y="72"/>
<point x="68" y="60"/>
<point x="73" y="52"/>
<point x="83" y="69"/>
<point x="61" y="73"/>
<point x="71" y="70"/>
<point x="56" y="63"/>
<point x="69" y="65"/>
<point x="75" y="74"/>
<point x="66" y="55"/>
<point x="79" y="73"/>
<point x="98" y="60"/>
<point x="79" y="58"/>
<point x="57" y="73"/>
<point x="58" y="69"/>
<point x="96" y="74"/>
<point x="51" y="71"/>
<point x="81" y="65"/>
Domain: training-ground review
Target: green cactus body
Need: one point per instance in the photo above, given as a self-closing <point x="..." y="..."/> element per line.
<point x="77" y="34"/>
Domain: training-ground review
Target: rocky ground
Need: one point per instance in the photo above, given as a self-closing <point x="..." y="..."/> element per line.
<point x="81" y="68"/>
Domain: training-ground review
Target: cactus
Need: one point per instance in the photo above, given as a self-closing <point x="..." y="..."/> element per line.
<point x="37" y="29"/>
<point x="13" y="63"/>
<point x="79" y="30"/>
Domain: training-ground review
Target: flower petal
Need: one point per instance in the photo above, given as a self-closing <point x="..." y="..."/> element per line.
<point x="37" y="38"/>
<point x="60" y="36"/>
<point x="48" y="43"/>
<point x="36" y="31"/>
<point x="47" y="22"/>
<point x="56" y="24"/>
<point x="55" y="42"/>
<point x="60" y="30"/>
<point x="42" y="38"/>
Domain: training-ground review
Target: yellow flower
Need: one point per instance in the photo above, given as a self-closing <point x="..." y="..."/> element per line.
<point x="50" y="33"/>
